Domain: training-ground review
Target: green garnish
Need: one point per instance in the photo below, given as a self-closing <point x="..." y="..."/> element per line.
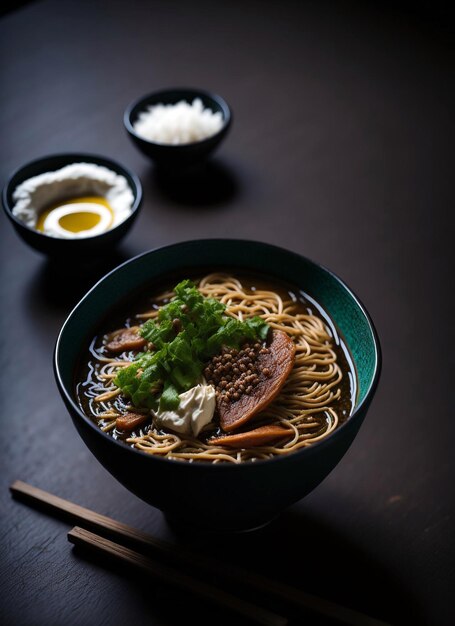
<point x="190" y="330"/>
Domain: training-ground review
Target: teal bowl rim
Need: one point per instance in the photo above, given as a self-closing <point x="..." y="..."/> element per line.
<point x="209" y="95"/>
<point x="73" y="157"/>
<point x="228" y="466"/>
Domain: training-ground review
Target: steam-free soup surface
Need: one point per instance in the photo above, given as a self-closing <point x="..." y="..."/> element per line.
<point x="317" y="396"/>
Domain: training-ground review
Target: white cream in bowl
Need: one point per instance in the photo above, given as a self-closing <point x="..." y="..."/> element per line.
<point x="76" y="201"/>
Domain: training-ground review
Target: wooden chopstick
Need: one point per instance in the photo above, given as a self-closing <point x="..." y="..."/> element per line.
<point x="100" y="523"/>
<point x="171" y="576"/>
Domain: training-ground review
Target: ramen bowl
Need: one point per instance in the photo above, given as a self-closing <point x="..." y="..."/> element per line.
<point x="78" y="248"/>
<point x="182" y="155"/>
<point x="219" y="497"/>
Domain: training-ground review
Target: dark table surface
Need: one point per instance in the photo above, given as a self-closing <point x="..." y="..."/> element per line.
<point x="341" y="150"/>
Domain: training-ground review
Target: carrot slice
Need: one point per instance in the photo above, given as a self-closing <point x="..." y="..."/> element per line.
<point x="126" y="340"/>
<point x="279" y="362"/>
<point x="257" y="437"/>
<point x="130" y="421"/>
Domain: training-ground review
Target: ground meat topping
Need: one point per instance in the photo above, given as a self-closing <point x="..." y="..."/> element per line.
<point x="235" y="372"/>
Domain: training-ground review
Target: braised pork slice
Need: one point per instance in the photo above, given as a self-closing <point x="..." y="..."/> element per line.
<point x="273" y="366"/>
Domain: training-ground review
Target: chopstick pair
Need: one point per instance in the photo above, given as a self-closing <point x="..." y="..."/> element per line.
<point x="97" y="523"/>
<point x="171" y="576"/>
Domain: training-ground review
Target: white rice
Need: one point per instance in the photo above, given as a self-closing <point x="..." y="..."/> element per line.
<point x="178" y="123"/>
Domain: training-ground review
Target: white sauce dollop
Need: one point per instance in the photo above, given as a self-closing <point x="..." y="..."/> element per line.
<point x="35" y="194"/>
<point x="196" y="409"/>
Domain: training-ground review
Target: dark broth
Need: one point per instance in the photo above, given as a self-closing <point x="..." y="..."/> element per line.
<point x="124" y="316"/>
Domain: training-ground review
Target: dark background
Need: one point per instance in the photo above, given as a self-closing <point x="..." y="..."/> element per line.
<point x="341" y="150"/>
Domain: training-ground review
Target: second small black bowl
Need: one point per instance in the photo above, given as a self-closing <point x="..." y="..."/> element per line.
<point x="83" y="248"/>
<point x="177" y="155"/>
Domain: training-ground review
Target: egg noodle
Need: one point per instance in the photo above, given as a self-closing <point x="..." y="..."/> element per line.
<point x="305" y="405"/>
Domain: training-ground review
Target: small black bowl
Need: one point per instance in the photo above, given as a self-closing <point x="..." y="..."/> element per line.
<point x="70" y="248"/>
<point x="177" y="155"/>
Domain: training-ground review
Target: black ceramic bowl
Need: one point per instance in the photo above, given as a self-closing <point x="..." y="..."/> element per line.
<point x="225" y="496"/>
<point x="87" y="247"/>
<point x="180" y="155"/>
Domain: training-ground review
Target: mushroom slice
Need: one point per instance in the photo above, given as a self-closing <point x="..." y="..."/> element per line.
<point x="257" y="437"/>
<point x="128" y="339"/>
<point x="130" y="421"/>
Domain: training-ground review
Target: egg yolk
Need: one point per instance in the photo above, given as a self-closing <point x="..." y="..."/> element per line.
<point x="73" y="220"/>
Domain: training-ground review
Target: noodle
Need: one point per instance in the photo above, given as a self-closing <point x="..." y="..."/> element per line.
<point x="306" y="405"/>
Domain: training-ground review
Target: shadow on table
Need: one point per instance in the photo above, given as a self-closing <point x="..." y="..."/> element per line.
<point x="310" y="554"/>
<point x="58" y="285"/>
<point x="298" y="550"/>
<point x="203" y="185"/>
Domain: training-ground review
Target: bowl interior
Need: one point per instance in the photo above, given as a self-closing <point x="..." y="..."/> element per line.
<point x="172" y="96"/>
<point x="184" y="259"/>
<point x="55" y="162"/>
